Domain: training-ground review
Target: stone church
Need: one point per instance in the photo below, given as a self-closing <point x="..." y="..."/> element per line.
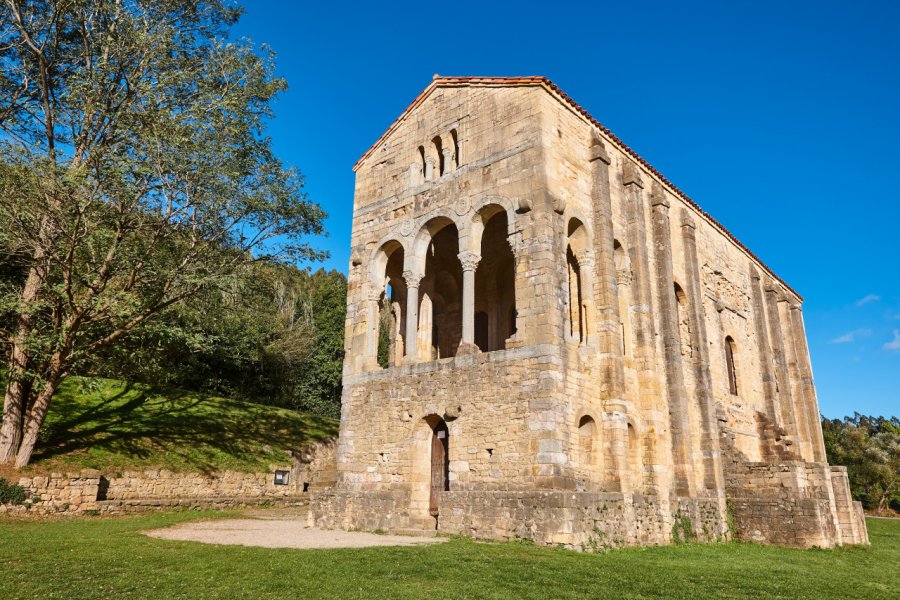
<point x="547" y="340"/>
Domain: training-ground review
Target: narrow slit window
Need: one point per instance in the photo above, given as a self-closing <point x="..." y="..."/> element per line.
<point x="729" y="363"/>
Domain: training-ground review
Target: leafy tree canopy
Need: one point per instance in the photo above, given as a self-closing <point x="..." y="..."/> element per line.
<point x="135" y="174"/>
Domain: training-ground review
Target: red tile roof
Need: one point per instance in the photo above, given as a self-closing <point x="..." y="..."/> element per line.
<point x="563" y="97"/>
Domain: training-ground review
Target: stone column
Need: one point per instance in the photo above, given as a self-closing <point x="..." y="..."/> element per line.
<point x="412" y="314"/>
<point x="469" y="261"/>
<point x="668" y="320"/>
<point x="517" y="246"/>
<point x="605" y="322"/>
<point x="429" y="168"/>
<point x="447" y="153"/>
<point x="714" y="477"/>
<point x="586" y="266"/>
<point x="373" y="297"/>
<point x="785" y="399"/>
<point x="807" y="386"/>
<point x="762" y="338"/>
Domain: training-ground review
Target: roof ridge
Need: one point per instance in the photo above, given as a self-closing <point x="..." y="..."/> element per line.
<point x="439" y="80"/>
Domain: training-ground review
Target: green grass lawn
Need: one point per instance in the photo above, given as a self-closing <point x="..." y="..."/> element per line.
<point x="113" y="425"/>
<point x="109" y="558"/>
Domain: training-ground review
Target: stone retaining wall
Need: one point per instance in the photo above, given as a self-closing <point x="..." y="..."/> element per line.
<point x="312" y="468"/>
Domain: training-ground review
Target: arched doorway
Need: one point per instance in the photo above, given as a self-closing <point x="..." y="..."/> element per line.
<point x="440" y="465"/>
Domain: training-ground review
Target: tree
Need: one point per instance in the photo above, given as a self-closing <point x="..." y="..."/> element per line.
<point x="870" y="448"/>
<point x="135" y="174"/>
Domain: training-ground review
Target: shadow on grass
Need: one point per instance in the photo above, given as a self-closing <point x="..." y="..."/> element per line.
<point x="109" y="424"/>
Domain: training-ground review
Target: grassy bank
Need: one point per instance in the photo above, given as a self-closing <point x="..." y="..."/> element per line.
<point x="113" y="425"/>
<point x="94" y="558"/>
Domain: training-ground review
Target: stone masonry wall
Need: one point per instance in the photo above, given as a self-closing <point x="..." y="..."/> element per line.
<point x="639" y="330"/>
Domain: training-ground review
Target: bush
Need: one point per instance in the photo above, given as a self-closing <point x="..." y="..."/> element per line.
<point x="11" y="493"/>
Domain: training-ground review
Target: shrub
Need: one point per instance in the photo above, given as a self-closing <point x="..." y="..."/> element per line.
<point x="11" y="493"/>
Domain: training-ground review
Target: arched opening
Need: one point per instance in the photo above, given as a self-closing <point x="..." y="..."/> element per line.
<point x="730" y="366"/>
<point x="391" y="305"/>
<point x="684" y="323"/>
<point x="422" y="162"/>
<point x="574" y="303"/>
<point x="495" y="286"/>
<point x="481" y="331"/>
<point x="440" y="302"/>
<point x="587" y="429"/>
<point x="439" y="155"/>
<point x="577" y="243"/>
<point x="635" y="464"/>
<point x="454" y="136"/>
<point x="440" y="463"/>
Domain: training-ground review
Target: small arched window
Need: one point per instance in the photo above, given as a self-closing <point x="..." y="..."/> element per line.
<point x="422" y="160"/>
<point x="439" y="158"/>
<point x="729" y="363"/>
<point x="586" y="440"/>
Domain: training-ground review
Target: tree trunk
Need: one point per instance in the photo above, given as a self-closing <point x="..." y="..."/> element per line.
<point x="13" y="409"/>
<point x="35" y="420"/>
<point x="18" y="384"/>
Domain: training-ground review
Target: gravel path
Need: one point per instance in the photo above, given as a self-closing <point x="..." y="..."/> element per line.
<point x="280" y="533"/>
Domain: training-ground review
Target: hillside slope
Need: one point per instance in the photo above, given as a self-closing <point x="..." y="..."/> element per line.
<point x="114" y="425"/>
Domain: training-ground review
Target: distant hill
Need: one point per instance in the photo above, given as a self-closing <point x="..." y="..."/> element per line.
<point x="114" y="425"/>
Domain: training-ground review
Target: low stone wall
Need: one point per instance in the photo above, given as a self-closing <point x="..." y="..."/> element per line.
<point x="794" y="504"/>
<point x="59" y="493"/>
<point x="131" y="485"/>
<point x="579" y="520"/>
<point x="312" y="468"/>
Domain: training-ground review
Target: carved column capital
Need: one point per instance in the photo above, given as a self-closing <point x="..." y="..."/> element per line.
<point x="469" y="260"/>
<point x="373" y="293"/>
<point x="516" y="244"/>
<point x="412" y="279"/>
<point x="624" y="277"/>
<point x="586" y="258"/>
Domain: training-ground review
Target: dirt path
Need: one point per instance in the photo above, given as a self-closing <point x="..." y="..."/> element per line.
<point x="276" y="531"/>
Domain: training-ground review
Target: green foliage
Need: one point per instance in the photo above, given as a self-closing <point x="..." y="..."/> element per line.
<point x="11" y="493"/>
<point x="870" y="449"/>
<point x="683" y="529"/>
<point x="113" y="426"/>
<point x="136" y="175"/>
<point x="83" y="558"/>
<point x="275" y="337"/>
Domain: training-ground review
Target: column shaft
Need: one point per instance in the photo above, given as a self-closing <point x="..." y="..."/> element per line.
<point x="668" y="311"/>
<point x="807" y="385"/>
<point x="765" y="357"/>
<point x="714" y="477"/>
<point x="605" y="325"/>
<point x="785" y="399"/>
<point x="412" y="314"/>
<point x="469" y="261"/>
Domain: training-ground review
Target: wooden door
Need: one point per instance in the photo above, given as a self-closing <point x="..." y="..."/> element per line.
<point x="439" y="466"/>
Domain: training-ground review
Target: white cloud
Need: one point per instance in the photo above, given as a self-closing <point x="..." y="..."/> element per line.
<point x="895" y="343"/>
<point x="867" y="299"/>
<point x="851" y="336"/>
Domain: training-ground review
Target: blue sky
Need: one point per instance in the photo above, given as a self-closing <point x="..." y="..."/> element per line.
<point x="781" y="119"/>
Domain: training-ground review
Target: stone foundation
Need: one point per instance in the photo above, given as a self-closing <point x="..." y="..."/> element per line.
<point x="577" y="520"/>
